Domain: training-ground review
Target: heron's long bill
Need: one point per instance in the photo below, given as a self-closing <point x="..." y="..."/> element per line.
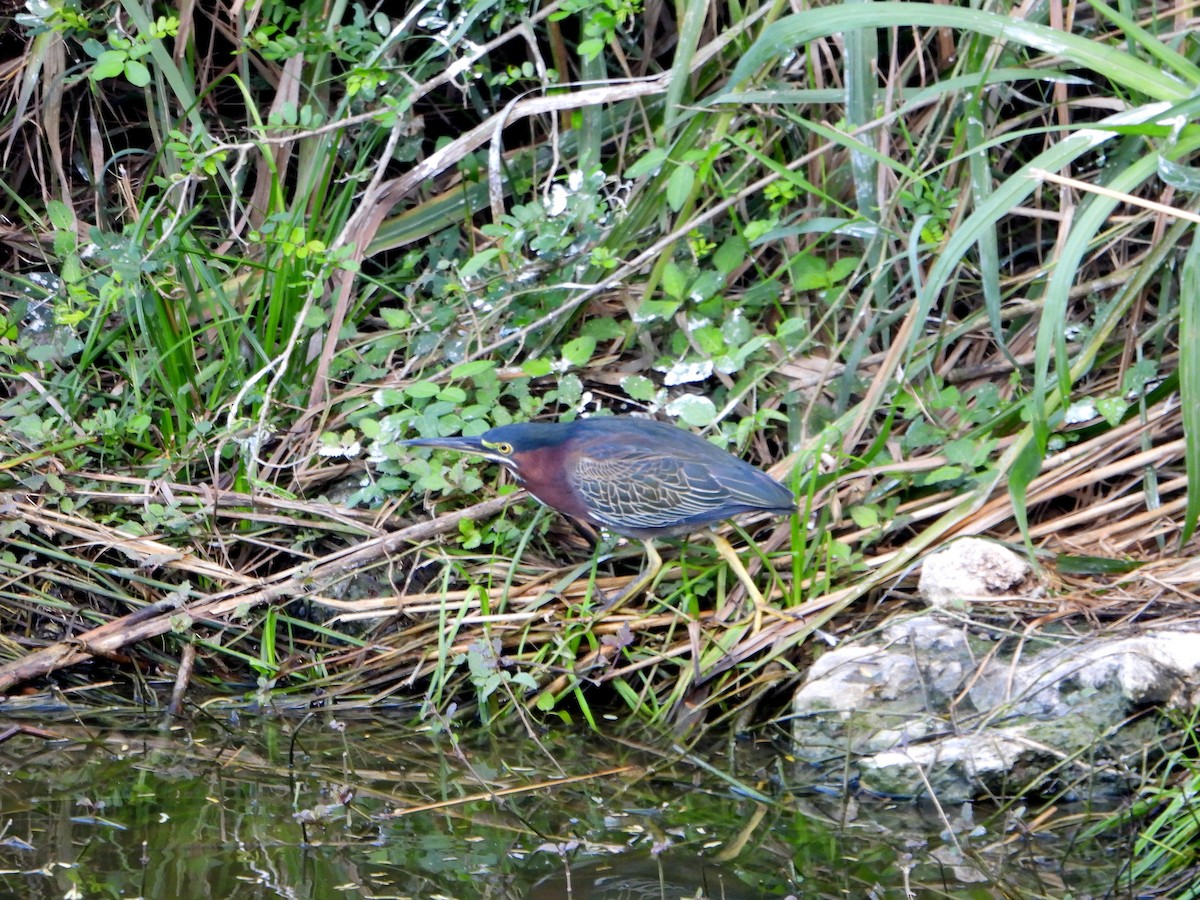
<point x="473" y="445"/>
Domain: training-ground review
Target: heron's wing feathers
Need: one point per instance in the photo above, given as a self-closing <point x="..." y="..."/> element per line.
<point x="647" y="493"/>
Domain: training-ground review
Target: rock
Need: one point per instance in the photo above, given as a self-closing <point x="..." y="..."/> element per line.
<point x="928" y="705"/>
<point x="972" y="569"/>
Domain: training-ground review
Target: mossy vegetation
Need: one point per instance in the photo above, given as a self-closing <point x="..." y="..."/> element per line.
<point x="931" y="266"/>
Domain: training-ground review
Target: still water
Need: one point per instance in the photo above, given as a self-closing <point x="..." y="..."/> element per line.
<point x="323" y="806"/>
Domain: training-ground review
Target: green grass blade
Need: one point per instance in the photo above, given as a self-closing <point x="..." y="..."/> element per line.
<point x="1154" y="47"/>
<point x="862" y="51"/>
<point x="1123" y="68"/>
<point x="1189" y="381"/>
<point x="694" y="14"/>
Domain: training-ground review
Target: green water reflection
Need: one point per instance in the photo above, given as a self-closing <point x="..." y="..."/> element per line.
<point x="322" y="807"/>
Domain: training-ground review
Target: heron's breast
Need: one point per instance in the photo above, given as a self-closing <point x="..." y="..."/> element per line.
<point x="546" y="473"/>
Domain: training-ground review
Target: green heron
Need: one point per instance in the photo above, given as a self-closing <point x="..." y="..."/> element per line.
<point x="640" y="478"/>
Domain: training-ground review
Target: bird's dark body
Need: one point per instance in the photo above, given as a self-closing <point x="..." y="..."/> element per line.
<point x="637" y="477"/>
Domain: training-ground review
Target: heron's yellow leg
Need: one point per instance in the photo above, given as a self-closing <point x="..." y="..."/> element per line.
<point x="761" y="606"/>
<point x="644" y="579"/>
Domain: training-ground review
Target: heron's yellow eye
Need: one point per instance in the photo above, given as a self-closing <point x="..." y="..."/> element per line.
<point x="501" y="447"/>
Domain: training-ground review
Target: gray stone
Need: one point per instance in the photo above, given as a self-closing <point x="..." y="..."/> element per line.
<point x="972" y="569"/>
<point x="927" y="705"/>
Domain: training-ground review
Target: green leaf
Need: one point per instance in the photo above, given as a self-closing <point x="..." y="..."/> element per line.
<point x="1113" y="409"/>
<point x="679" y="186"/>
<point x="570" y="390"/>
<point x="674" y="282"/>
<point x="315" y="317"/>
<point x="736" y="328"/>
<point x="137" y="73"/>
<point x="578" y="352"/>
<point x="473" y="368"/>
<point x="536" y="368"/>
<point x="648" y="164"/>
<point x="809" y="272"/>
<point x="396" y="318"/>
<point x="525" y="680"/>
<point x="967" y="452"/>
<point x="1025" y="468"/>
<point x="110" y="64"/>
<point x="387" y="397"/>
<point x="710" y="340"/>
<point x="731" y="254"/>
<point x="603" y="329"/>
<point x="843" y="268"/>
<point x="639" y="387"/>
<point x="1139" y="375"/>
<point x="655" y="310"/>
<point x="422" y="390"/>
<point x="591" y="48"/>
<point x="60" y="215"/>
<point x="433" y="482"/>
<point x="478" y="261"/>
<point x="1067" y="564"/>
<point x="693" y="409"/>
<point x="942" y="474"/>
<point x="706" y="285"/>
<point x="865" y="516"/>
<point x="756" y="228"/>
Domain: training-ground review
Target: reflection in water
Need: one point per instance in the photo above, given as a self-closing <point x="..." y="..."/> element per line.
<point x="320" y="807"/>
<point x="639" y="877"/>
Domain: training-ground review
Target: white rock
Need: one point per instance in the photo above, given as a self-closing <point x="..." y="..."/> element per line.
<point x="973" y="569"/>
